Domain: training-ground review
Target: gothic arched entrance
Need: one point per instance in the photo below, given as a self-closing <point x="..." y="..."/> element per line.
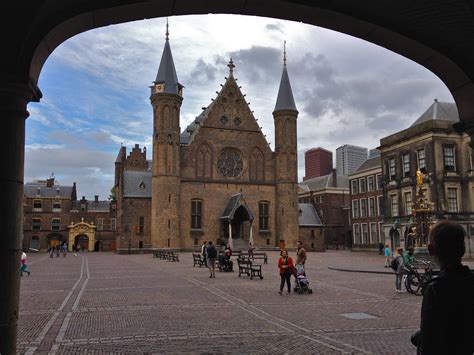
<point x="236" y="222"/>
<point x="82" y="234"/>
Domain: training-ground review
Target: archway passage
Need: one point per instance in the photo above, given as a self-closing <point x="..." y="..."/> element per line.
<point x="436" y="34"/>
<point x="87" y="233"/>
<point x="236" y="223"/>
<point x="81" y="242"/>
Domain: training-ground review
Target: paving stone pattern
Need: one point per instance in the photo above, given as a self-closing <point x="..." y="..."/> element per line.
<point x="101" y="303"/>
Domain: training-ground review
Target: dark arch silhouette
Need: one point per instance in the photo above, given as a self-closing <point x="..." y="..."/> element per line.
<point x="436" y="34"/>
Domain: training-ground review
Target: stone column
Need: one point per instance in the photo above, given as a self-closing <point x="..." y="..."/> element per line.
<point x="13" y="102"/>
<point x="251" y="234"/>
<point x="230" y="241"/>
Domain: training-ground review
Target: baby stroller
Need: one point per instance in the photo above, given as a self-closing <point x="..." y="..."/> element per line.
<point x="301" y="282"/>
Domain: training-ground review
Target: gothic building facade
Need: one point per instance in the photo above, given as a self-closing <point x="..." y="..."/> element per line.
<point x="217" y="180"/>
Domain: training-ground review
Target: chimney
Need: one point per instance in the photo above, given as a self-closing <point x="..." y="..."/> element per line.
<point x="96" y="198"/>
<point x="50" y="182"/>
<point x="83" y="198"/>
<point x="334" y="177"/>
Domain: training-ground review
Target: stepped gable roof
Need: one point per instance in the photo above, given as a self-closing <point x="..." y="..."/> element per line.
<point x="442" y="111"/>
<point x="137" y="184"/>
<point x="308" y="217"/>
<point x="324" y="182"/>
<point x="368" y="164"/>
<point x="31" y="189"/>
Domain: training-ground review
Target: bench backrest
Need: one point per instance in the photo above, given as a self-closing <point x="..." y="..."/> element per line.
<point x="244" y="262"/>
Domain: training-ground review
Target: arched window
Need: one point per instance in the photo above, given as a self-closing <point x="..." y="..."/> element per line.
<point x="56" y="224"/>
<point x="203" y="161"/>
<point x="257" y="165"/>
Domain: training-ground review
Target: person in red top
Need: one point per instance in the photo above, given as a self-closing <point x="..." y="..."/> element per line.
<point x="285" y="264"/>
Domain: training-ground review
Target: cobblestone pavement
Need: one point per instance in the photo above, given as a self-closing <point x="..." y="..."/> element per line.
<point x="99" y="303"/>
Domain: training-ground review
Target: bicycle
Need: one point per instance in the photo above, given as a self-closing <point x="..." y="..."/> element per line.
<point x="416" y="281"/>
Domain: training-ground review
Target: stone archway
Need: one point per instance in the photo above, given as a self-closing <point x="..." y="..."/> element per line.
<point x="436" y="34"/>
<point x="82" y="228"/>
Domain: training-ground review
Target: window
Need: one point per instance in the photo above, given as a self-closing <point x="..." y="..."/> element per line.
<point x="365" y="233"/>
<point x="113" y="224"/>
<point x="392" y="171"/>
<point x="83" y="207"/>
<point x="353" y="187"/>
<point x="363" y="207"/>
<point x="36" y="224"/>
<point x="56" y="206"/>
<point x="379" y="181"/>
<point x="141" y="225"/>
<point x="421" y="158"/>
<point x="263" y="216"/>
<point x="37" y="205"/>
<point x="356" y="234"/>
<point x="56" y="224"/>
<point x="380" y="205"/>
<point x="449" y="161"/>
<point x="355" y="208"/>
<point x="373" y="233"/>
<point x="196" y="214"/>
<point x="408" y="204"/>
<point x="362" y="185"/>
<point x="35" y="242"/>
<point x="370" y="183"/>
<point x="452" y="200"/>
<point x="406" y="164"/>
<point x="371" y="206"/>
<point x="100" y="224"/>
<point x="394" y="205"/>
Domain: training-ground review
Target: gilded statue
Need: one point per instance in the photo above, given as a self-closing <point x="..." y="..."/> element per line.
<point x="419" y="178"/>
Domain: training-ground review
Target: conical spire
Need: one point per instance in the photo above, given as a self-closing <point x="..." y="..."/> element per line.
<point x="285" y="100"/>
<point x="167" y="73"/>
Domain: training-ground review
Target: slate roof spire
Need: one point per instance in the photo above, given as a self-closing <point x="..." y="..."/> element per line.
<point x="166" y="72"/>
<point x="285" y="100"/>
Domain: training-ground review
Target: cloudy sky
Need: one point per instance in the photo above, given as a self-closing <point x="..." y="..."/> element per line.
<point x="96" y="95"/>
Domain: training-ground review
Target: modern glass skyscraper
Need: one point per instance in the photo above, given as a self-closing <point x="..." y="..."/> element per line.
<point x="349" y="158"/>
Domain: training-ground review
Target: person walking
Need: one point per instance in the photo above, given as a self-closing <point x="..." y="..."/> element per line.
<point x="285" y="264"/>
<point x="211" y="253"/>
<point x="399" y="268"/>
<point x="24" y="265"/>
<point x="64" y="249"/>
<point x="300" y="253"/>
<point x="447" y="311"/>
<point x="387" y="254"/>
<point x="408" y="261"/>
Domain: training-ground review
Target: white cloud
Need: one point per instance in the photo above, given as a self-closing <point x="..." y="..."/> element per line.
<point x="96" y="93"/>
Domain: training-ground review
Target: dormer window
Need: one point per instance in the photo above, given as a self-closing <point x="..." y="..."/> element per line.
<point x="142" y="186"/>
<point x="58" y="191"/>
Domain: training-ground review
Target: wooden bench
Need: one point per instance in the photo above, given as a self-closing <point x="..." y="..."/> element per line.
<point x="198" y="260"/>
<point x="166" y="255"/>
<point x="246" y="266"/>
<point x="257" y="255"/>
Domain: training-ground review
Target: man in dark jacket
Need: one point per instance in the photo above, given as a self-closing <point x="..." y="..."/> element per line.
<point x="447" y="313"/>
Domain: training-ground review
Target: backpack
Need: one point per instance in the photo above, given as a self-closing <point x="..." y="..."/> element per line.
<point x="211" y="252"/>
<point x="394" y="264"/>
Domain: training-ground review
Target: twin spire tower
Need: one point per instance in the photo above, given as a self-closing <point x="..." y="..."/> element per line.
<point x="169" y="203"/>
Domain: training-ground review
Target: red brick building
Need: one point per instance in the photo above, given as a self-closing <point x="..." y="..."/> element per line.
<point x="366" y="205"/>
<point x="329" y="194"/>
<point x="317" y="162"/>
<point x="53" y="215"/>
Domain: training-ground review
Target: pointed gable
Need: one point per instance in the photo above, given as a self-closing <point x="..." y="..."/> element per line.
<point x="228" y="111"/>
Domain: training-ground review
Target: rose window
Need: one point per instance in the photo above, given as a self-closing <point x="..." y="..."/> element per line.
<point x="229" y="163"/>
